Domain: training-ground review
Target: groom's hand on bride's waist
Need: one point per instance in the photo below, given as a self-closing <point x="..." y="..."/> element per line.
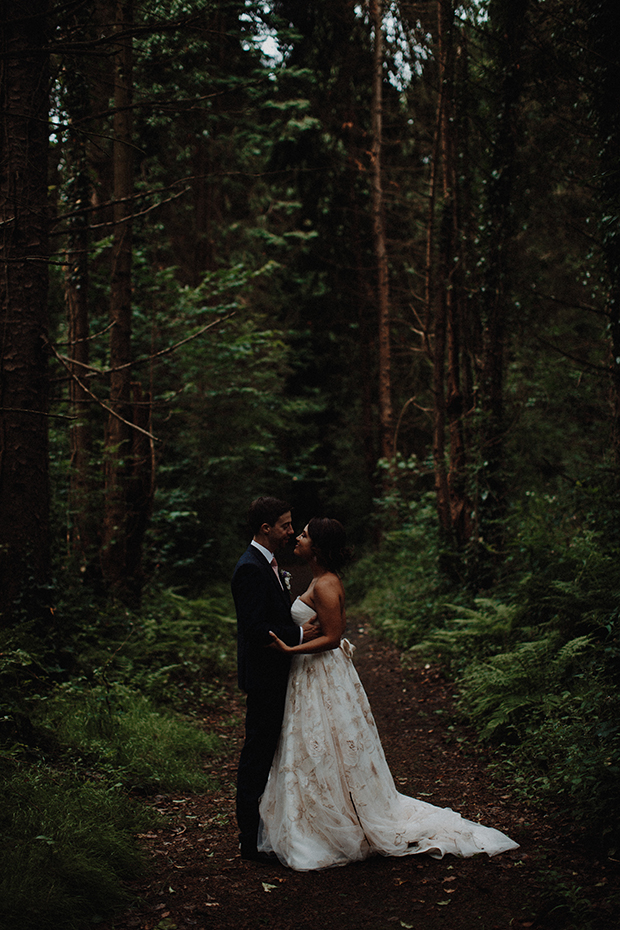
<point x="311" y="629"/>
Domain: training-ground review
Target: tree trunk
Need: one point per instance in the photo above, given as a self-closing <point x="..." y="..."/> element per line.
<point x="118" y="440"/>
<point x="452" y="284"/>
<point x="140" y="489"/>
<point x="378" y="213"/>
<point x="604" y="23"/>
<point x="507" y="21"/>
<point x="24" y="492"/>
<point x="448" y="405"/>
<point x="82" y="527"/>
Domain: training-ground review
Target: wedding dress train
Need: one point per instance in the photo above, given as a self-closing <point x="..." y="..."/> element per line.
<point x="330" y="798"/>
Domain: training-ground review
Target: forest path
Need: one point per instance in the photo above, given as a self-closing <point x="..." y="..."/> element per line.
<point x="199" y="882"/>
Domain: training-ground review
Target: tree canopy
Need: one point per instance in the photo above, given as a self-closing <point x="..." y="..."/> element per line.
<point x="312" y="247"/>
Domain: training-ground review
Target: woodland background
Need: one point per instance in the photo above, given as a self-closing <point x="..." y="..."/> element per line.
<point x="365" y="256"/>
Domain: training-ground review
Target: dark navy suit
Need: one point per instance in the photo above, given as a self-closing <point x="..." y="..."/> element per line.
<point x="262" y="604"/>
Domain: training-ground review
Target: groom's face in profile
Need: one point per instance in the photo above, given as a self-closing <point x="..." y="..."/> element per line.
<point x="280" y="533"/>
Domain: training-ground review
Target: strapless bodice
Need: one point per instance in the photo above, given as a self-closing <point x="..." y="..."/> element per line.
<point x="302" y="612"/>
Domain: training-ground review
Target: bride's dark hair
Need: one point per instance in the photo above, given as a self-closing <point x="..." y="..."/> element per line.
<point x="329" y="543"/>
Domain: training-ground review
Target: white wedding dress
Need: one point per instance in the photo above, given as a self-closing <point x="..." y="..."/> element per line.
<point x="330" y="798"/>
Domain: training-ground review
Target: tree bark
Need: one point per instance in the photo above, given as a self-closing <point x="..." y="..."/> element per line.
<point x="507" y="22"/>
<point x="24" y="492"/>
<point x="378" y="213"/>
<point x="82" y="535"/>
<point x="452" y="279"/>
<point x="450" y="480"/>
<point x="118" y="440"/>
<point x="604" y="23"/>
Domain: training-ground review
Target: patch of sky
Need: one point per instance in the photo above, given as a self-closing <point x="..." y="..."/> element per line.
<point x="408" y="51"/>
<point x="263" y="36"/>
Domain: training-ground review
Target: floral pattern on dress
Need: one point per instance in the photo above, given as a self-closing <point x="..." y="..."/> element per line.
<point x="330" y="798"/>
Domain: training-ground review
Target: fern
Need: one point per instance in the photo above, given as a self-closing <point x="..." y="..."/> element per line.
<point x="505" y="693"/>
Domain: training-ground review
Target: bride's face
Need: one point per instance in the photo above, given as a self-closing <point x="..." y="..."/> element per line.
<point x="304" y="545"/>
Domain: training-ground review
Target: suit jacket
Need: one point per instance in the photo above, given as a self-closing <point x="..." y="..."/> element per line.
<point x="262" y="605"/>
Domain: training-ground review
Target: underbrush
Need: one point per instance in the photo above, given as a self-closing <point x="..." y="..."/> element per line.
<point x="119" y="733"/>
<point x="106" y="715"/>
<point x="67" y="847"/>
<point x="537" y="664"/>
<point x="176" y="651"/>
<point x="401" y="585"/>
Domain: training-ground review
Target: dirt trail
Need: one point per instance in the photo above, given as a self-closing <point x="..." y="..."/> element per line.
<point x="198" y="881"/>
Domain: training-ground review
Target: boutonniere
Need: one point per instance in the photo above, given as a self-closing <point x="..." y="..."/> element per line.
<point x="286" y="578"/>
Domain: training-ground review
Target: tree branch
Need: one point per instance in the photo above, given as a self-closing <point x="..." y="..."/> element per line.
<point x="113" y="413"/>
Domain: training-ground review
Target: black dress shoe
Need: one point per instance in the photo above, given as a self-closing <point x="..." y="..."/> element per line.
<point x="252" y="854"/>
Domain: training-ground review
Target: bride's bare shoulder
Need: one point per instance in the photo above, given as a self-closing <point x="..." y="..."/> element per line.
<point x="329" y="585"/>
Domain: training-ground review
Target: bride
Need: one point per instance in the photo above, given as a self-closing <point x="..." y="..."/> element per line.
<point x="330" y="798"/>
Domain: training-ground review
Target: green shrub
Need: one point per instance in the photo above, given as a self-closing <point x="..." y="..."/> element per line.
<point x="183" y="648"/>
<point x="469" y="633"/>
<point x="573" y="757"/>
<point x="176" y="650"/>
<point x="507" y="694"/>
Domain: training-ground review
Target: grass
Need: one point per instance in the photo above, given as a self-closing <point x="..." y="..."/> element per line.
<point x="81" y="739"/>
<point x="122" y="735"/>
<point x="67" y="847"/>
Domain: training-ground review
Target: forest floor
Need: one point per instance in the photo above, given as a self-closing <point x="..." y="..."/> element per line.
<point x="197" y="880"/>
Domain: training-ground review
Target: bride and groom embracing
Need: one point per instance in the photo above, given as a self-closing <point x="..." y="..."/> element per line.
<point x="313" y="786"/>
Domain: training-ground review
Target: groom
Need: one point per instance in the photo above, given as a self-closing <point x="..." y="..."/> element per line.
<point x="262" y="603"/>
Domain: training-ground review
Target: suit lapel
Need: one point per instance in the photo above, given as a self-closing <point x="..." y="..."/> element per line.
<point x="279" y="584"/>
<point x="284" y="590"/>
<point x="262" y="561"/>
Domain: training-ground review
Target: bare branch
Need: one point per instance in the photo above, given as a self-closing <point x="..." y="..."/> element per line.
<point x="40" y="413"/>
<point x="66" y="360"/>
<point x="113" y="413"/>
<point x="101" y="332"/>
<point x="581" y="362"/>
<point x="169" y="349"/>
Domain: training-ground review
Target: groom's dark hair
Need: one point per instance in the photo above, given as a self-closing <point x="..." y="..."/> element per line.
<point x="265" y="510"/>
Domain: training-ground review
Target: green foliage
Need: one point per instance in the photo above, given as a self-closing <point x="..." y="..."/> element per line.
<point x="225" y="412"/>
<point x="469" y="633"/>
<point x="508" y="693"/>
<point x="175" y="651"/>
<point x="401" y="586"/>
<point x="183" y="648"/>
<point x="121" y="735"/>
<point x="23" y="677"/>
<point x="537" y="664"/>
<point x="66" y="846"/>
<point x="80" y="732"/>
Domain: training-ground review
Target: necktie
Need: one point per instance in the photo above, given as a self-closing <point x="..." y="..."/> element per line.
<point x="274" y="565"/>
